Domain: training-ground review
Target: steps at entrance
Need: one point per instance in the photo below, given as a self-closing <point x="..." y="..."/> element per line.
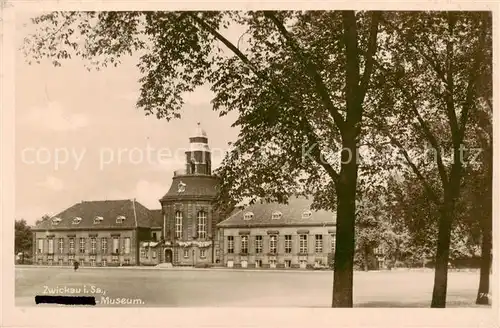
<point x="165" y="265"/>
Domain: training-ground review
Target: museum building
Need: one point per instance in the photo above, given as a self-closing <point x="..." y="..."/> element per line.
<point x="187" y="230"/>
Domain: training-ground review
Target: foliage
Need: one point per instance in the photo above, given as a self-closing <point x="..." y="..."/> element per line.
<point x="23" y="238"/>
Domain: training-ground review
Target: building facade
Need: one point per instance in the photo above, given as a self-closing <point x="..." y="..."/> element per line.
<point x="271" y="235"/>
<point x="187" y="208"/>
<point x="94" y="233"/>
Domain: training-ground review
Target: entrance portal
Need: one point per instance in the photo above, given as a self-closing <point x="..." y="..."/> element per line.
<point x="168" y="256"/>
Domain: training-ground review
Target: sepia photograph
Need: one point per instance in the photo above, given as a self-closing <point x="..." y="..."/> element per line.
<point x="253" y="158"/>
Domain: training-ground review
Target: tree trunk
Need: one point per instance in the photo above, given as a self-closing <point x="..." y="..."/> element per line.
<point x="484" y="276"/>
<point x="346" y="209"/>
<point x="447" y="214"/>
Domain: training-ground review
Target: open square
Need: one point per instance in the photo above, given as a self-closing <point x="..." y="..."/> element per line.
<point x="155" y="287"/>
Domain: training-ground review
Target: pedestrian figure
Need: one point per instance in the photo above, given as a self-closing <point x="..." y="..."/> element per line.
<point x="76" y="264"/>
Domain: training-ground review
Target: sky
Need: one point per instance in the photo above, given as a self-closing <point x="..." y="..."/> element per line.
<point x="80" y="137"/>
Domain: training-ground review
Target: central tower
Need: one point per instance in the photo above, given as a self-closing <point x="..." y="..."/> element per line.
<point x="198" y="157"/>
<point x="187" y="208"/>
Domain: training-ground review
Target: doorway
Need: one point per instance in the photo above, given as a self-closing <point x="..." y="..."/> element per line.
<point x="168" y="256"/>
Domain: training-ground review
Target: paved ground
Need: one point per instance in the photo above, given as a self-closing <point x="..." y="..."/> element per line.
<point x="223" y="288"/>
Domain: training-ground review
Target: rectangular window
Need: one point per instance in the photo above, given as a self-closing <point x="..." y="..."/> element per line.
<point x="186" y="253"/>
<point x="127" y="245"/>
<point x="230" y="244"/>
<point x="92" y="260"/>
<point x="272" y="264"/>
<point x="288" y="244"/>
<point x="288" y="263"/>
<point x="333" y="243"/>
<point x="114" y="259"/>
<point x="258" y="244"/>
<point x="154" y="235"/>
<point x="303" y="244"/>
<point x="203" y="253"/>
<point x="154" y="254"/>
<point x="143" y="252"/>
<point x="318" y="244"/>
<point x="72" y="245"/>
<point x="104" y="262"/>
<point x="93" y="245"/>
<point x="51" y="246"/>
<point x="104" y="245"/>
<point x="82" y="245"/>
<point x="244" y="244"/>
<point x="258" y="263"/>
<point x="40" y="246"/>
<point x="178" y="225"/>
<point x="71" y="257"/>
<point x="127" y="261"/>
<point x="116" y="245"/>
<point x="61" y="245"/>
<point x="202" y="225"/>
<point x="273" y="244"/>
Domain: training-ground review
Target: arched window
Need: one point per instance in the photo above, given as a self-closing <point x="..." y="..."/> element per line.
<point x="178" y="224"/>
<point x="202" y="225"/>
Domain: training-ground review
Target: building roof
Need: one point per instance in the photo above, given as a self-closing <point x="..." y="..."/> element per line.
<point x="135" y="214"/>
<point x="291" y="214"/>
<point x="192" y="186"/>
<point x="157" y="218"/>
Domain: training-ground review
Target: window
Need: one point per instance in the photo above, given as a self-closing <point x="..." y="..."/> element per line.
<point x="143" y="252"/>
<point x="288" y="244"/>
<point x="273" y="244"/>
<point x="333" y="243"/>
<point x="258" y="263"/>
<point x="127" y="261"/>
<point x="104" y="262"/>
<point x="276" y="215"/>
<point x="127" y="245"/>
<point x="98" y="219"/>
<point x="154" y="254"/>
<point x="40" y="246"/>
<point x="114" y="258"/>
<point x="306" y="214"/>
<point x="72" y="245"/>
<point x="71" y="257"/>
<point x="230" y="244"/>
<point x="61" y="245"/>
<point x="244" y="244"/>
<point x="61" y="262"/>
<point x="202" y="225"/>
<point x="186" y="253"/>
<point x="77" y="220"/>
<point x="51" y="246"/>
<point x="120" y="219"/>
<point x="319" y="244"/>
<point x="116" y="246"/>
<point x="154" y="235"/>
<point x="248" y="216"/>
<point x="272" y="264"/>
<point x="93" y="245"/>
<point x="258" y="244"/>
<point x="82" y="245"/>
<point x="379" y="250"/>
<point x="55" y="221"/>
<point x="178" y="224"/>
<point x="92" y="260"/>
<point x="288" y="263"/>
<point x="203" y="253"/>
<point x="104" y="245"/>
<point x="303" y="244"/>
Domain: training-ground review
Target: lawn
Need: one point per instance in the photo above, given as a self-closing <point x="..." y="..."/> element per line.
<point x="225" y="288"/>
